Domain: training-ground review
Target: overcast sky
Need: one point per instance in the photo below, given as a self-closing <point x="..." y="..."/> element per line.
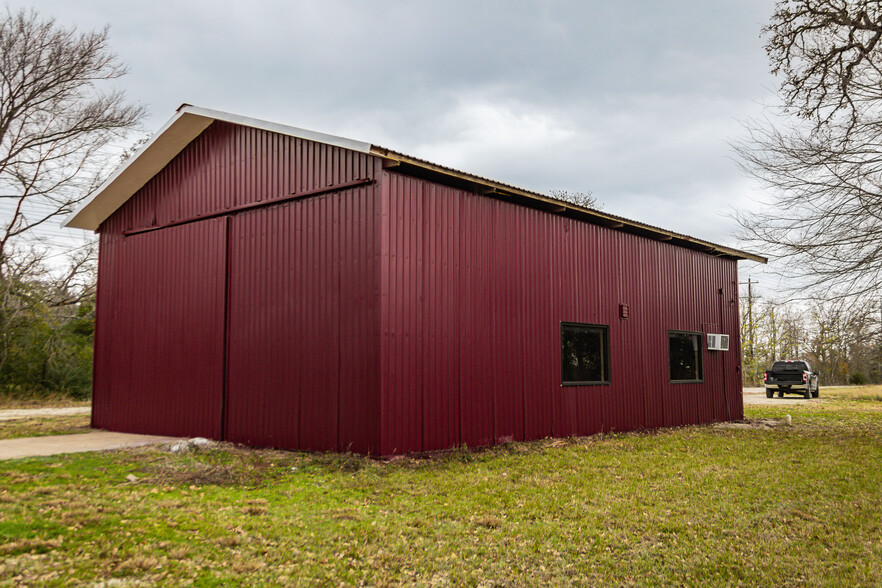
<point x="632" y="100"/>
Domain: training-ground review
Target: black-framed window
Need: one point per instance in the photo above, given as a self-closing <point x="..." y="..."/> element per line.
<point x="584" y="354"/>
<point x="684" y="354"/>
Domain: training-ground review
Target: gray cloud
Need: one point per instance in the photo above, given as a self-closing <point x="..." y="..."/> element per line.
<point x="633" y="100"/>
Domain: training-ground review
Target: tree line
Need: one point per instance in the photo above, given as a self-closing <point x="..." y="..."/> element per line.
<point x="47" y="322"/>
<point x="839" y="338"/>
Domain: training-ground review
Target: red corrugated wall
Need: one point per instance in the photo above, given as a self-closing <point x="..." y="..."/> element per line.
<point x="159" y="340"/>
<point x="261" y="326"/>
<point x="303" y="330"/>
<point x="473" y="293"/>
<point x="395" y="316"/>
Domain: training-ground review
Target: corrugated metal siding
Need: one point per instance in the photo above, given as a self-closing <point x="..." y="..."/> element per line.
<point x="473" y="293"/>
<point x="230" y="165"/>
<point x="296" y="285"/>
<point x="401" y="317"/>
<point x="303" y="330"/>
<point x="159" y="338"/>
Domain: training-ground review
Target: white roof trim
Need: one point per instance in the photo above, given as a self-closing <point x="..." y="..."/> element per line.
<point x="187" y="124"/>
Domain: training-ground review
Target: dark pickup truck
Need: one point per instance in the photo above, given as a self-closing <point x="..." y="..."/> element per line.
<point x="791" y="377"/>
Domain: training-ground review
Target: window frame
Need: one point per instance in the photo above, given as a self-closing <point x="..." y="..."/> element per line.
<point x="699" y="337"/>
<point x="605" y="354"/>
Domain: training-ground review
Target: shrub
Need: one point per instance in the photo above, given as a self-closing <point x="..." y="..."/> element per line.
<point x="857" y="379"/>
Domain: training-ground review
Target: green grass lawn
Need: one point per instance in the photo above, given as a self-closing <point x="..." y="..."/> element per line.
<point x="787" y="506"/>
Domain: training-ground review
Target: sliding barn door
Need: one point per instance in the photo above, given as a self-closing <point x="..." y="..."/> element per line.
<point x="159" y="341"/>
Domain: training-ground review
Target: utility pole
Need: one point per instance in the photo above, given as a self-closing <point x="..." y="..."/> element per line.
<point x="750" y="315"/>
<point x="749" y="373"/>
<point x="879" y="348"/>
<point x="750" y="330"/>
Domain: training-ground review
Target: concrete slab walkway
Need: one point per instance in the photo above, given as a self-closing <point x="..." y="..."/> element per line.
<point x="57" y="444"/>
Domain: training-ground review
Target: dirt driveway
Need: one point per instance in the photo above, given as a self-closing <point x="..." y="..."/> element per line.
<point x="758" y="396"/>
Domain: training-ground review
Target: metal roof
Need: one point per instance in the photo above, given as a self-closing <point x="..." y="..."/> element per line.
<point x="190" y="121"/>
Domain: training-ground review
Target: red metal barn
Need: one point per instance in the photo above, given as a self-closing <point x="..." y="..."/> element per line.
<point x="277" y="287"/>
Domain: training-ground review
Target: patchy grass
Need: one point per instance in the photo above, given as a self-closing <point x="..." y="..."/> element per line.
<point x="42" y="426"/>
<point x="788" y="506"/>
<point x="870" y="394"/>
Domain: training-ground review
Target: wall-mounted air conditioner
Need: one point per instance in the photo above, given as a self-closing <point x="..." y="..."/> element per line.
<point x="717" y="342"/>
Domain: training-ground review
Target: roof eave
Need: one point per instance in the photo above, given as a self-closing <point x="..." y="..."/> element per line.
<point x="190" y="121"/>
<point x="145" y="163"/>
<point x="187" y="124"/>
<point x="407" y="164"/>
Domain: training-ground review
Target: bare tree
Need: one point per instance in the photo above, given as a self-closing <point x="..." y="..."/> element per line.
<point x="822" y="160"/>
<point x="54" y="120"/>
<point x="757" y="333"/>
<point x="792" y="339"/>
<point x="583" y="199"/>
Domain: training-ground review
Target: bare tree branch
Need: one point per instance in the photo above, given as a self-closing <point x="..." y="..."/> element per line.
<point x="54" y="119"/>
<point x="823" y="164"/>
<point x="583" y="199"/>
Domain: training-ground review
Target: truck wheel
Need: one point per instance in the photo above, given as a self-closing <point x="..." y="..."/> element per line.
<point x="808" y="393"/>
<point x="780" y="393"/>
<point x="769" y="393"/>
<point x="817" y="391"/>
